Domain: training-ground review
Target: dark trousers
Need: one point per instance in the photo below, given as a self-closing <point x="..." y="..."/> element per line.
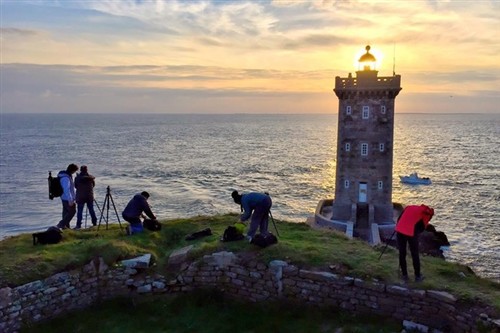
<point x="67" y="214"/>
<point x="260" y="217"/>
<point x="79" y="214"/>
<point x="413" y="242"/>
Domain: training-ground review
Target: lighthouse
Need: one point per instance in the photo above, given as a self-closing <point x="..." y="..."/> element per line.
<point x="365" y="142"/>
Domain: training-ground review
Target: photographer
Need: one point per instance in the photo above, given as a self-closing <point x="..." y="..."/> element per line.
<point x="412" y="221"/>
<point x="257" y="206"/>
<point x="68" y="195"/>
<point x="84" y="184"/>
<point x="133" y="212"/>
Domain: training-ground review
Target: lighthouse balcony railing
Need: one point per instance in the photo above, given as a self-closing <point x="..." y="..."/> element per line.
<point x="380" y="82"/>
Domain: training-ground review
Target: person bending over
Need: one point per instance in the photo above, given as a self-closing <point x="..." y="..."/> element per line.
<point x="412" y="221"/>
<point x="133" y="212"/>
<point x="257" y="206"/>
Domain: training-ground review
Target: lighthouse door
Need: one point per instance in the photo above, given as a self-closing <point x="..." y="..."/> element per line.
<point x="363" y="189"/>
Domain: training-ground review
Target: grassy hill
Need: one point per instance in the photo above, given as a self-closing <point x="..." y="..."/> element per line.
<point x="21" y="262"/>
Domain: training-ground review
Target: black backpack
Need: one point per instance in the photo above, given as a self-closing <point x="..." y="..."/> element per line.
<point x="232" y="234"/>
<point x="53" y="235"/>
<point x="152" y="225"/>
<point x="264" y="241"/>
<point x="55" y="188"/>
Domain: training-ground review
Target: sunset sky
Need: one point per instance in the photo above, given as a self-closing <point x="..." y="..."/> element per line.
<point x="160" y="56"/>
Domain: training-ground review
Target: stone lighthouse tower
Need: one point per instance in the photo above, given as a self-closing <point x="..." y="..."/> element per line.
<point x="363" y="184"/>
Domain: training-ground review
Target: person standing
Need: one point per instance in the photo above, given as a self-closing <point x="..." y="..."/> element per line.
<point x="84" y="184"/>
<point x="412" y="221"/>
<point x="257" y="206"/>
<point x="133" y="212"/>
<point x="68" y="195"/>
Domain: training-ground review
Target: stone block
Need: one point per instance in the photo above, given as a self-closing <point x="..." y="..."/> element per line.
<point x="5" y="297"/>
<point x="345" y="281"/>
<point x="308" y="286"/>
<point x="441" y="296"/>
<point x="158" y="285"/>
<point x="417" y="293"/>
<point x="179" y="256"/>
<point x="397" y="290"/>
<point x="138" y="262"/>
<point x="239" y="271"/>
<point x="318" y="276"/>
<point x="145" y="289"/>
<point x="290" y="270"/>
<point x="411" y="326"/>
<point x="58" y="278"/>
<point x="50" y="290"/>
<point x="29" y="287"/>
<point x="224" y="259"/>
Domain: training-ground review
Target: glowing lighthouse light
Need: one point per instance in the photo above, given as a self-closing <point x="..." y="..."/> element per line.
<point x="368" y="61"/>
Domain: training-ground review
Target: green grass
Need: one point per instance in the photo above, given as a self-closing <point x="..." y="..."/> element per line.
<point x="210" y="312"/>
<point x="21" y="262"/>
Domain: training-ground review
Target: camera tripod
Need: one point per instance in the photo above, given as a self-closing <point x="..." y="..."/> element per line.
<point x="105" y="206"/>
<point x="87" y="211"/>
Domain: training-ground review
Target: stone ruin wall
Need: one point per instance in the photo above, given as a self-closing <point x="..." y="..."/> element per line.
<point x="249" y="280"/>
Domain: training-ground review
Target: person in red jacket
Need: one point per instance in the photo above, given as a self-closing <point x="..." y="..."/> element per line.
<point x="412" y="221"/>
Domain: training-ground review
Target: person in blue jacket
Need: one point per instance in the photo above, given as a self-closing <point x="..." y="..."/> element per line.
<point x="133" y="212"/>
<point x="68" y="195"/>
<point x="257" y="206"/>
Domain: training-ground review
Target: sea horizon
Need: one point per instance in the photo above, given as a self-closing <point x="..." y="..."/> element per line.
<point x="190" y="167"/>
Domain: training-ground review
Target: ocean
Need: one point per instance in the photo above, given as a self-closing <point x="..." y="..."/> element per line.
<point x="191" y="163"/>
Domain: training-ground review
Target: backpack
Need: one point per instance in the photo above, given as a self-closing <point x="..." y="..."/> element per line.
<point x="53" y="235"/>
<point x="232" y="234"/>
<point x="264" y="241"/>
<point x="151" y="225"/>
<point x="55" y="188"/>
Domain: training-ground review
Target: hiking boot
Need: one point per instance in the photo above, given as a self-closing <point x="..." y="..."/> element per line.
<point x="77" y="228"/>
<point x="404" y="278"/>
<point x="128" y="231"/>
<point x="419" y="278"/>
<point x="248" y="238"/>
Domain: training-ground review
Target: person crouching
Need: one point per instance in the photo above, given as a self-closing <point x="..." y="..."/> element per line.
<point x="133" y="212"/>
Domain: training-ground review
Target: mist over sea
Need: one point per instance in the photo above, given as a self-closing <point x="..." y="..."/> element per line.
<point x="191" y="163"/>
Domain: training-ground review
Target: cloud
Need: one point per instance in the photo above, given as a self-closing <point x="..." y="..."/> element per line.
<point x="210" y="89"/>
<point x="242" y="48"/>
<point x="18" y="32"/>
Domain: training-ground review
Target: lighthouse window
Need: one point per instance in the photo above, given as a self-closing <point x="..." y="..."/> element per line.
<point x="382" y="109"/>
<point x="346" y="183"/>
<point x="380" y="185"/>
<point x="347" y="147"/>
<point x="348" y="110"/>
<point x="364" y="149"/>
<point x="381" y="147"/>
<point x="366" y="112"/>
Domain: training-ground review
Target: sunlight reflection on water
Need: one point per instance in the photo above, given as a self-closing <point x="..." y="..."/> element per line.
<point x="191" y="163"/>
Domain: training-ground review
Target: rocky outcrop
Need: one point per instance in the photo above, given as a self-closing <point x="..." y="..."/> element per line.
<point x="430" y="242"/>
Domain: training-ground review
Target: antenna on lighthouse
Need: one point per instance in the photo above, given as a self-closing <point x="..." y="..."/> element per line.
<point x="394" y="60"/>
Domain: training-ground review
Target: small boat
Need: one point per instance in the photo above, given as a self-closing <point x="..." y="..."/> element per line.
<point x="415" y="179"/>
